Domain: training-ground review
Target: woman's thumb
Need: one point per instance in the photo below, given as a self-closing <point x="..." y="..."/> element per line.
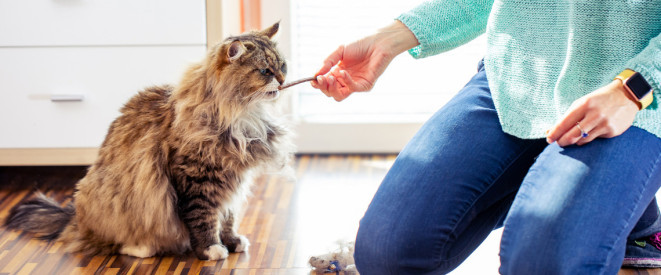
<point x="331" y="61"/>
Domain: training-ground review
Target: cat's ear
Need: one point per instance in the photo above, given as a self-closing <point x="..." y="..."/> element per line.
<point x="235" y="50"/>
<point x="272" y="30"/>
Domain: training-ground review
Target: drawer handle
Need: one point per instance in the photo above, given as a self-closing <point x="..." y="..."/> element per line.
<point x="67" y="98"/>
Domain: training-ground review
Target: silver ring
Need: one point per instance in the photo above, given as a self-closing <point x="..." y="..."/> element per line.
<point x="584" y="134"/>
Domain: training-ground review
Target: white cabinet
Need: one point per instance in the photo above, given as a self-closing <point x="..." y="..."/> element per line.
<point x="95" y="55"/>
<point x="103" y="77"/>
<point x="98" y="22"/>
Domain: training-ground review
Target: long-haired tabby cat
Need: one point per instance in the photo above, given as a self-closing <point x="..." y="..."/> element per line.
<point x="174" y="164"/>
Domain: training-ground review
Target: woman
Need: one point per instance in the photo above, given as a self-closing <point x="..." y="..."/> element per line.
<point x="540" y="141"/>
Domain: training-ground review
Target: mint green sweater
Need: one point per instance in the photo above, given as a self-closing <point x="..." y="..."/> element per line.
<point x="543" y="55"/>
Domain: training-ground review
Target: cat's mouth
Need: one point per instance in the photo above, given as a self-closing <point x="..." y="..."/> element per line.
<point x="272" y="94"/>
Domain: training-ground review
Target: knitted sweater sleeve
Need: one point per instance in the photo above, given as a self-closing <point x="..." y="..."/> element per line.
<point x="441" y="25"/>
<point x="648" y="64"/>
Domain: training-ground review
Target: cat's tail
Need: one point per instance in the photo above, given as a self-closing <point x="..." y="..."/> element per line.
<point x="42" y="216"/>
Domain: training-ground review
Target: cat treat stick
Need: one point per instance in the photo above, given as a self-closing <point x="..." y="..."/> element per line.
<point x="287" y="85"/>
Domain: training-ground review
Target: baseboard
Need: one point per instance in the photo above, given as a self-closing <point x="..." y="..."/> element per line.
<point x="47" y="156"/>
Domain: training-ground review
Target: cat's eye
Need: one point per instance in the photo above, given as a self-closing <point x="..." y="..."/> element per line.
<point x="266" y="72"/>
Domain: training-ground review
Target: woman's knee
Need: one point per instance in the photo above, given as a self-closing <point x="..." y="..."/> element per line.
<point x="370" y="254"/>
<point x="385" y="247"/>
<point x="533" y="243"/>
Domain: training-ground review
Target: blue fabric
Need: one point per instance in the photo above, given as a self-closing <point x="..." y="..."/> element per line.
<point x="564" y="210"/>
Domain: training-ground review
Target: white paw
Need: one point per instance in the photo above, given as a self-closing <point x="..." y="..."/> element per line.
<point x="243" y="246"/>
<point x="137" y="251"/>
<point x="216" y="252"/>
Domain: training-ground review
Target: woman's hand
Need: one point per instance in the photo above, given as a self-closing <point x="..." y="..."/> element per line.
<point x="356" y="66"/>
<point x="606" y="112"/>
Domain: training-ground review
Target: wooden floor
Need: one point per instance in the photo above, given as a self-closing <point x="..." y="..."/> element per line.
<point x="286" y="222"/>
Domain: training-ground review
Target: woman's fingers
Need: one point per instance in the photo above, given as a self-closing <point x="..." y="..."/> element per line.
<point x="607" y="112"/>
<point x="337" y="84"/>
<point x="592" y="133"/>
<point x="347" y="81"/>
<point x="322" y="84"/>
<point x="335" y="89"/>
<point x="584" y="131"/>
<point x="331" y="61"/>
<point x="561" y="132"/>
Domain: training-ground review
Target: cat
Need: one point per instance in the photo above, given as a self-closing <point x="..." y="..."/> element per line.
<point x="178" y="161"/>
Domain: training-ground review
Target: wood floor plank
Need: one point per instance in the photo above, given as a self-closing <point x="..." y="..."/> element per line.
<point x="164" y="265"/>
<point x="180" y="268"/>
<point x="278" y="255"/>
<point x="27" y="269"/>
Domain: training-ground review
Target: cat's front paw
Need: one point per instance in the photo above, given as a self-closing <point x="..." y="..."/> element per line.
<point x="243" y="244"/>
<point x="137" y="251"/>
<point x="213" y="253"/>
<point x="236" y="243"/>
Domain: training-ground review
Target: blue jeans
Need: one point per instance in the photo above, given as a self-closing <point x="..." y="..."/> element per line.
<point x="564" y="210"/>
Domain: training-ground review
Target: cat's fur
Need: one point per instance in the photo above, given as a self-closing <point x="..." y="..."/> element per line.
<point x="174" y="164"/>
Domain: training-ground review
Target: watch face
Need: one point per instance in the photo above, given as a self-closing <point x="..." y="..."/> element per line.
<point x="638" y="85"/>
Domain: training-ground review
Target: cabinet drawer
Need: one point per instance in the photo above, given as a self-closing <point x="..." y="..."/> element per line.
<point x="105" y="77"/>
<point x="88" y="22"/>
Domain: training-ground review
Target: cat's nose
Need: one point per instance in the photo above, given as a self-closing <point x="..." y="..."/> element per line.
<point x="280" y="77"/>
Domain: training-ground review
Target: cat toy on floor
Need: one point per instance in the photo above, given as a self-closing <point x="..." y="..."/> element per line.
<point x="336" y="261"/>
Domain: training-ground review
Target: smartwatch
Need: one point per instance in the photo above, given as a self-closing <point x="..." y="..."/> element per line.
<point x="637" y="86"/>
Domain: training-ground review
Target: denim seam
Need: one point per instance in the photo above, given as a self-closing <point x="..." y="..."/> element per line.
<point x="637" y="205"/>
<point x="485" y="191"/>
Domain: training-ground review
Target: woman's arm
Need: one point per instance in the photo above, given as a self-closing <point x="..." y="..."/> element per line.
<point x="442" y="25"/>
<point x="432" y="27"/>
<point x="357" y="66"/>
